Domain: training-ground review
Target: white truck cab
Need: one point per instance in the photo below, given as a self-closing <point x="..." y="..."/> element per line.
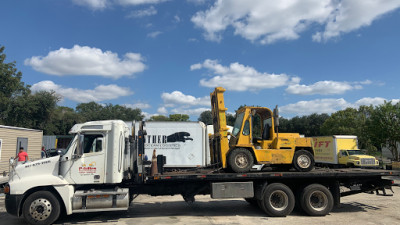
<point x="99" y="154"/>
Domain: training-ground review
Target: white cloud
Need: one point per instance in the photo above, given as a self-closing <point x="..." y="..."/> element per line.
<point x="154" y="34"/>
<point x="350" y="15"/>
<point x="142" y="13"/>
<point x="177" y="19"/>
<point x="148" y="115"/>
<point x="139" y="2"/>
<point x="190" y="112"/>
<point x="329" y="105"/>
<point x="178" y="98"/>
<point x="322" y="87"/>
<point x="197" y="2"/>
<point x="84" y="60"/>
<point x="139" y="105"/>
<point x="374" y="101"/>
<point x="178" y="103"/>
<point x="366" y="82"/>
<point x="93" y="4"/>
<point x="162" y="110"/>
<point x="99" y="93"/>
<point x="269" y="21"/>
<point x="315" y="106"/>
<point x="238" y="77"/>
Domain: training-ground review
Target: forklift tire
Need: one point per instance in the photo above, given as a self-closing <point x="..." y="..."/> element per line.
<point x="303" y="161"/>
<point x="41" y="208"/>
<point x="316" y="200"/>
<point x="278" y="200"/>
<point x="240" y="160"/>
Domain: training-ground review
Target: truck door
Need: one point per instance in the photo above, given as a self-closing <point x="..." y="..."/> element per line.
<point x="343" y="157"/>
<point x="89" y="168"/>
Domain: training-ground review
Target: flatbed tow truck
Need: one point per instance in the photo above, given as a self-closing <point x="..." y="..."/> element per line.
<point x="104" y="168"/>
<point x="108" y="178"/>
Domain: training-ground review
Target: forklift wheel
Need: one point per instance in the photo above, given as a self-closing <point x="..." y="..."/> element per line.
<point x="240" y="160"/>
<point x="303" y="161"/>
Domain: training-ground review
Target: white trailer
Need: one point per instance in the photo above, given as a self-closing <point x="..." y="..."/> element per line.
<point x="185" y="144"/>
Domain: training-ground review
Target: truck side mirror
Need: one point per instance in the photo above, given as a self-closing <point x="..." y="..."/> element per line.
<point x="79" y="147"/>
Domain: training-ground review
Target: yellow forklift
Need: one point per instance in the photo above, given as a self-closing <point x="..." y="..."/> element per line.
<point x="255" y="140"/>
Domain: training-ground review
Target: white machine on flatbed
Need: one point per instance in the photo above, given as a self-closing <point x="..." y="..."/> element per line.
<point x="184" y="144"/>
<point x="103" y="169"/>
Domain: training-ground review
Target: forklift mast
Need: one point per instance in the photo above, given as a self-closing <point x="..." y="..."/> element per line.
<point x="220" y="143"/>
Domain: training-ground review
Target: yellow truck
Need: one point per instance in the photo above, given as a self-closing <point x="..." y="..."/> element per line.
<point x="341" y="151"/>
<point x="255" y="139"/>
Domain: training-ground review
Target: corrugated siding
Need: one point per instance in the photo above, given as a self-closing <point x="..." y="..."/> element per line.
<point x="49" y="141"/>
<point x="9" y="144"/>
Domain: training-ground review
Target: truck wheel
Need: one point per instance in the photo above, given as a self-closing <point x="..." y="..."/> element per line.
<point x="41" y="207"/>
<point x="316" y="200"/>
<point x="303" y="161"/>
<point x="278" y="200"/>
<point x="240" y="160"/>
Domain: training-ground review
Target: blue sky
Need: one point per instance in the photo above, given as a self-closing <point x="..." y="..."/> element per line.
<point x="166" y="56"/>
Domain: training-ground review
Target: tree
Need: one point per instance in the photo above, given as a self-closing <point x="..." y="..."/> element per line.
<point x="64" y="119"/>
<point x="10" y="85"/>
<point x="159" y="118"/>
<point x="94" y="111"/>
<point x="351" y="121"/>
<point x="90" y="111"/>
<point x="308" y="125"/>
<point x="343" y="122"/>
<point x="230" y="119"/>
<point x="205" y="117"/>
<point x="384" y="127"/>
<point x="179" y="117"/>
<point x="32" y="110"/>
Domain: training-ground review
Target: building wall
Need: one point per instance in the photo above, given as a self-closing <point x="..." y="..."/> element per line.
<point x="8" y="137"/>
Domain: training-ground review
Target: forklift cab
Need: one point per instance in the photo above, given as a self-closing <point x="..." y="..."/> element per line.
<point x="254" y="127"/>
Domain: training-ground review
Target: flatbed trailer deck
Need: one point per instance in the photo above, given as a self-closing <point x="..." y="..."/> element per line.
<point x="276" y="193"/>
<point x="316" y="173"/>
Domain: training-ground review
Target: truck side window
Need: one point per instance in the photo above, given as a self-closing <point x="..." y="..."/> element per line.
<point x="246" y="128"/>
<point x="93" y="143"/>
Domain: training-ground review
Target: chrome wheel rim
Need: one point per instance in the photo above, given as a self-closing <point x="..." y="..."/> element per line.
<point x="279" y="200"/>
<point x="318" y="200"/>
<point x="303" y="161"/>
<point x="241" y="160"/>
<point x="40" y="209"/>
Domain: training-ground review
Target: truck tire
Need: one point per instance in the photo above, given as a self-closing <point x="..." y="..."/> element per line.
<point x="240" y="160"/>
<point x="316" y="200"/>
<point x="303" y="161"/>
<point x="41" y="208"/>
<point x="278" y="200"/>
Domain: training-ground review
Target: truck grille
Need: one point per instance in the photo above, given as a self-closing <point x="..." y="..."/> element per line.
<point x="367" y="161"/>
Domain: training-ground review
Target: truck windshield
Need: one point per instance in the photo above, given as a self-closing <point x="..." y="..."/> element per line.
<point x="355" y="152"/>
<point x="238" y="124"/>
<point x="69" y="145"/>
